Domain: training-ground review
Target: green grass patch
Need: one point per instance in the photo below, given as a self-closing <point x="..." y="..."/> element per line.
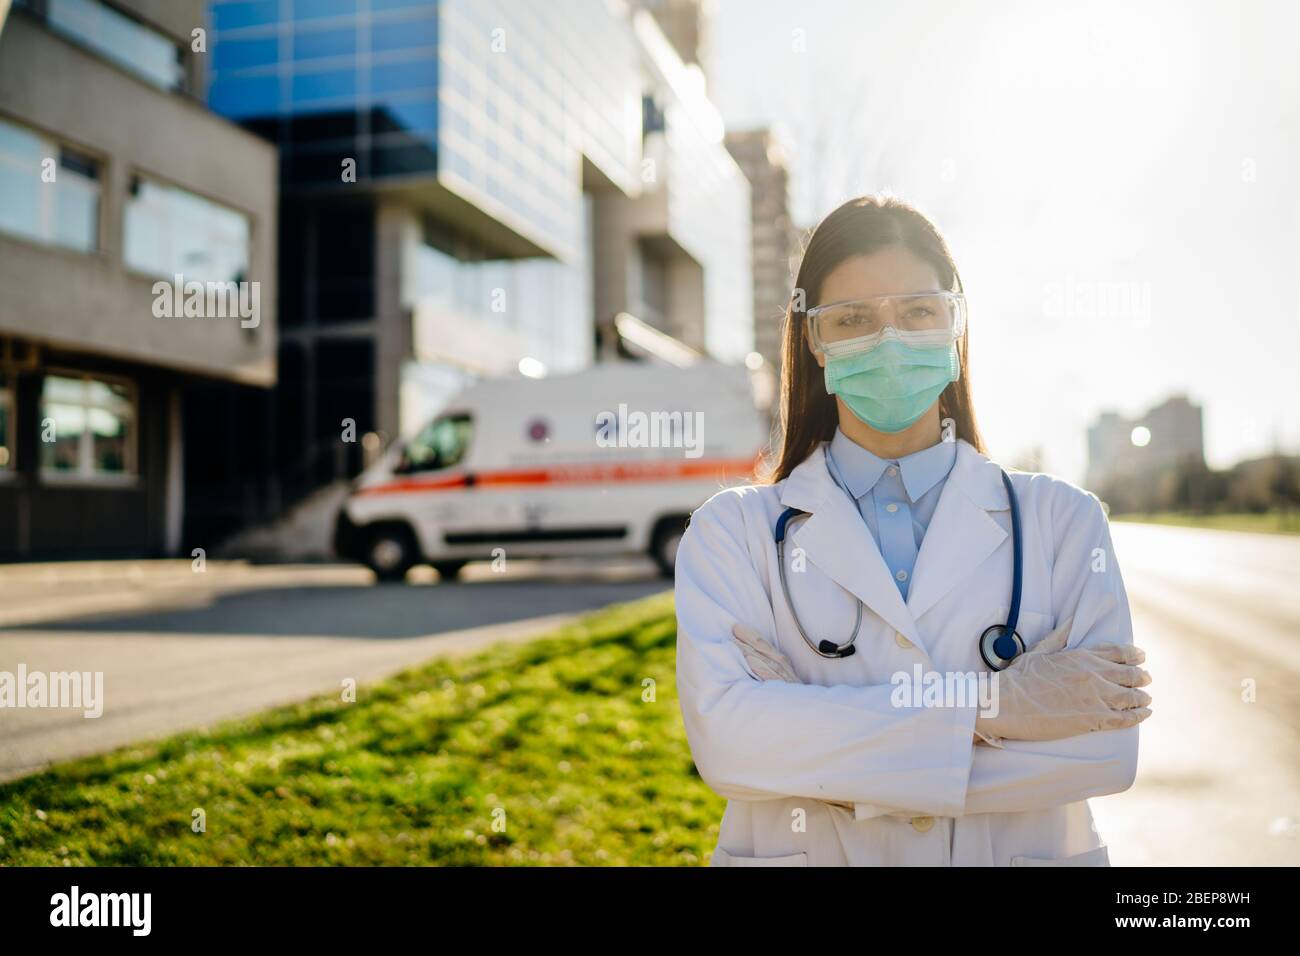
<point x="1269" y="522"/>
<point x="552" y="737"/>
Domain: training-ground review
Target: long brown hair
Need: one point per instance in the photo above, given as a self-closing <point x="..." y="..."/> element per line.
<point x="858" y="228"/>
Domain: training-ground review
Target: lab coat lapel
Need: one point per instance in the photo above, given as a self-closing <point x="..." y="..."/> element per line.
<point x="961" y="533"/>
<point x="838" y="543"/>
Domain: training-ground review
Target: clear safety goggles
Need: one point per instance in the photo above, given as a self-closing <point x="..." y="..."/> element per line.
<point x="859" y="325"/>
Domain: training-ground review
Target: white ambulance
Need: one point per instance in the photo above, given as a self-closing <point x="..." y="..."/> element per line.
<point x="611" y="460"/>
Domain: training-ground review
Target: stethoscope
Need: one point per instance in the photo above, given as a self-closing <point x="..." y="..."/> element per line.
<point x="999" y="645"/>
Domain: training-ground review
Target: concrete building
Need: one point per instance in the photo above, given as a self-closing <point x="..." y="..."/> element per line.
<point x="474" y="188"/>
<point x="677" y="254"/>
<point x="1169" y="434"/>
<point x="685" y="25"/>
<point x="114" y="181"/>
<point x="775" y="238"/>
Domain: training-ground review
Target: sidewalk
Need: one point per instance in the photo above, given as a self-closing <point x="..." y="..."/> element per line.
<point x="180" y="650"/>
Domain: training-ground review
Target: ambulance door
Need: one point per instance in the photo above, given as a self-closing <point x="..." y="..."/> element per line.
<point x="438" y="492"/>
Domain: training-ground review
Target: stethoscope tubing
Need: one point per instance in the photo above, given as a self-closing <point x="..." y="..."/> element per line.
<point x="832" y="650"/>
<point x="823" y="648"/>
<point x="1017" y="556"/>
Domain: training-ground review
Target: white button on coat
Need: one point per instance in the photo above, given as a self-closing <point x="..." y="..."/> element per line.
<point x="835" y="751"/>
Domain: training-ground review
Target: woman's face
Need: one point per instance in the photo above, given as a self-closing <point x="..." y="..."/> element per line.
<point x="893" y="270"/>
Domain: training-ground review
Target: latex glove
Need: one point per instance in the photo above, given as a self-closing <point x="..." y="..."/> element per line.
<point x="763" y="659"/>
<point x="1049" y="692"/>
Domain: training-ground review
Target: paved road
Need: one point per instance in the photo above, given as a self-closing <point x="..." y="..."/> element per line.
<point x="181" y="650"/>
<point x="1219" y="777"/>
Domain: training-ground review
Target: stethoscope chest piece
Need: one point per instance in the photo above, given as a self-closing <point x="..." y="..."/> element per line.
<point x="831" y="649"/>
<point x="999" y="647"/>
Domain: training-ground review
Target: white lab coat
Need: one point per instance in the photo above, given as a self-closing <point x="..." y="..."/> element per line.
<point x="923" y="794"/>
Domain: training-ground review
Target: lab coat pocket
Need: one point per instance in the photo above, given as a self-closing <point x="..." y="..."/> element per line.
<point x="722" y="858"/>
<point x="1096" y="857"/>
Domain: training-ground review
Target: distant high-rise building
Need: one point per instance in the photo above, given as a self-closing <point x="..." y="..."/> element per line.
<point x="775" y="239"/>
<point x="1168" y="434"/>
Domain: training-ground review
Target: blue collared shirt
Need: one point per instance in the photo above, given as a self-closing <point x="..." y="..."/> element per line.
<point x="896" y="497"/>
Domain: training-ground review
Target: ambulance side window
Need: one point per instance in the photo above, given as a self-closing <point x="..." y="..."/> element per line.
<point x="440" y="444"/>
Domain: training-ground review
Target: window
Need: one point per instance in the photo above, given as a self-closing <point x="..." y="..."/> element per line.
<point x="308" y="88"/>
<point x="130" y="44"/>
<point x="170" y="232"/>
<point x="64" y="211"/>
<point x="239" y="97"/>
<point x="251" y="13"/>
<point x="440" y="444"/>
<point x="652" y="115"/>
<point x="243" y="54"/>
<point x="87" y="427"/>
<point x="405" y="34"/>
<point x="321" y="43"/>
<point x="6" y="423"/>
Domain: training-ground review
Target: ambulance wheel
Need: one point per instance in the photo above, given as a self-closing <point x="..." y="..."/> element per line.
<point x="448" y="570"/>
<point x="390" y="552"/>
<point x="663" y="548"/>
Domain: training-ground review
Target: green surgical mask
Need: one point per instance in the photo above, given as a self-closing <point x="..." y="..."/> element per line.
<point x="893" y="384"/>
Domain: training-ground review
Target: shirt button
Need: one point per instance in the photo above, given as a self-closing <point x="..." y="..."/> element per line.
<point x="891" y="472"/>
<point x="891" y="508"/>
<point x="922" y="824"/>
<point x="902" y="642"/>
<point x="901" y="575"/>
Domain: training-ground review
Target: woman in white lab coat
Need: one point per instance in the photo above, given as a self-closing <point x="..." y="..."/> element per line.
<point x="840" y="760"/>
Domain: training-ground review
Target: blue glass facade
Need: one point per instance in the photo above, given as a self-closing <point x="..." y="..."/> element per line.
<point x="502" y="148"/>
<point x="329" y="80"/>
<point x="498" y="100"/>
<point x="469" y="121"/>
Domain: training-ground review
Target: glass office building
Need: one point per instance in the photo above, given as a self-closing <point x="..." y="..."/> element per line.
<point x="476" y="126"/>
<point x="499" y="101"/>
<point x="701" y="200"/>
<point x="464" y="189"/>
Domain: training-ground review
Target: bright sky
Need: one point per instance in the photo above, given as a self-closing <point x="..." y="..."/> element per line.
<point x="1119" y="182"/>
